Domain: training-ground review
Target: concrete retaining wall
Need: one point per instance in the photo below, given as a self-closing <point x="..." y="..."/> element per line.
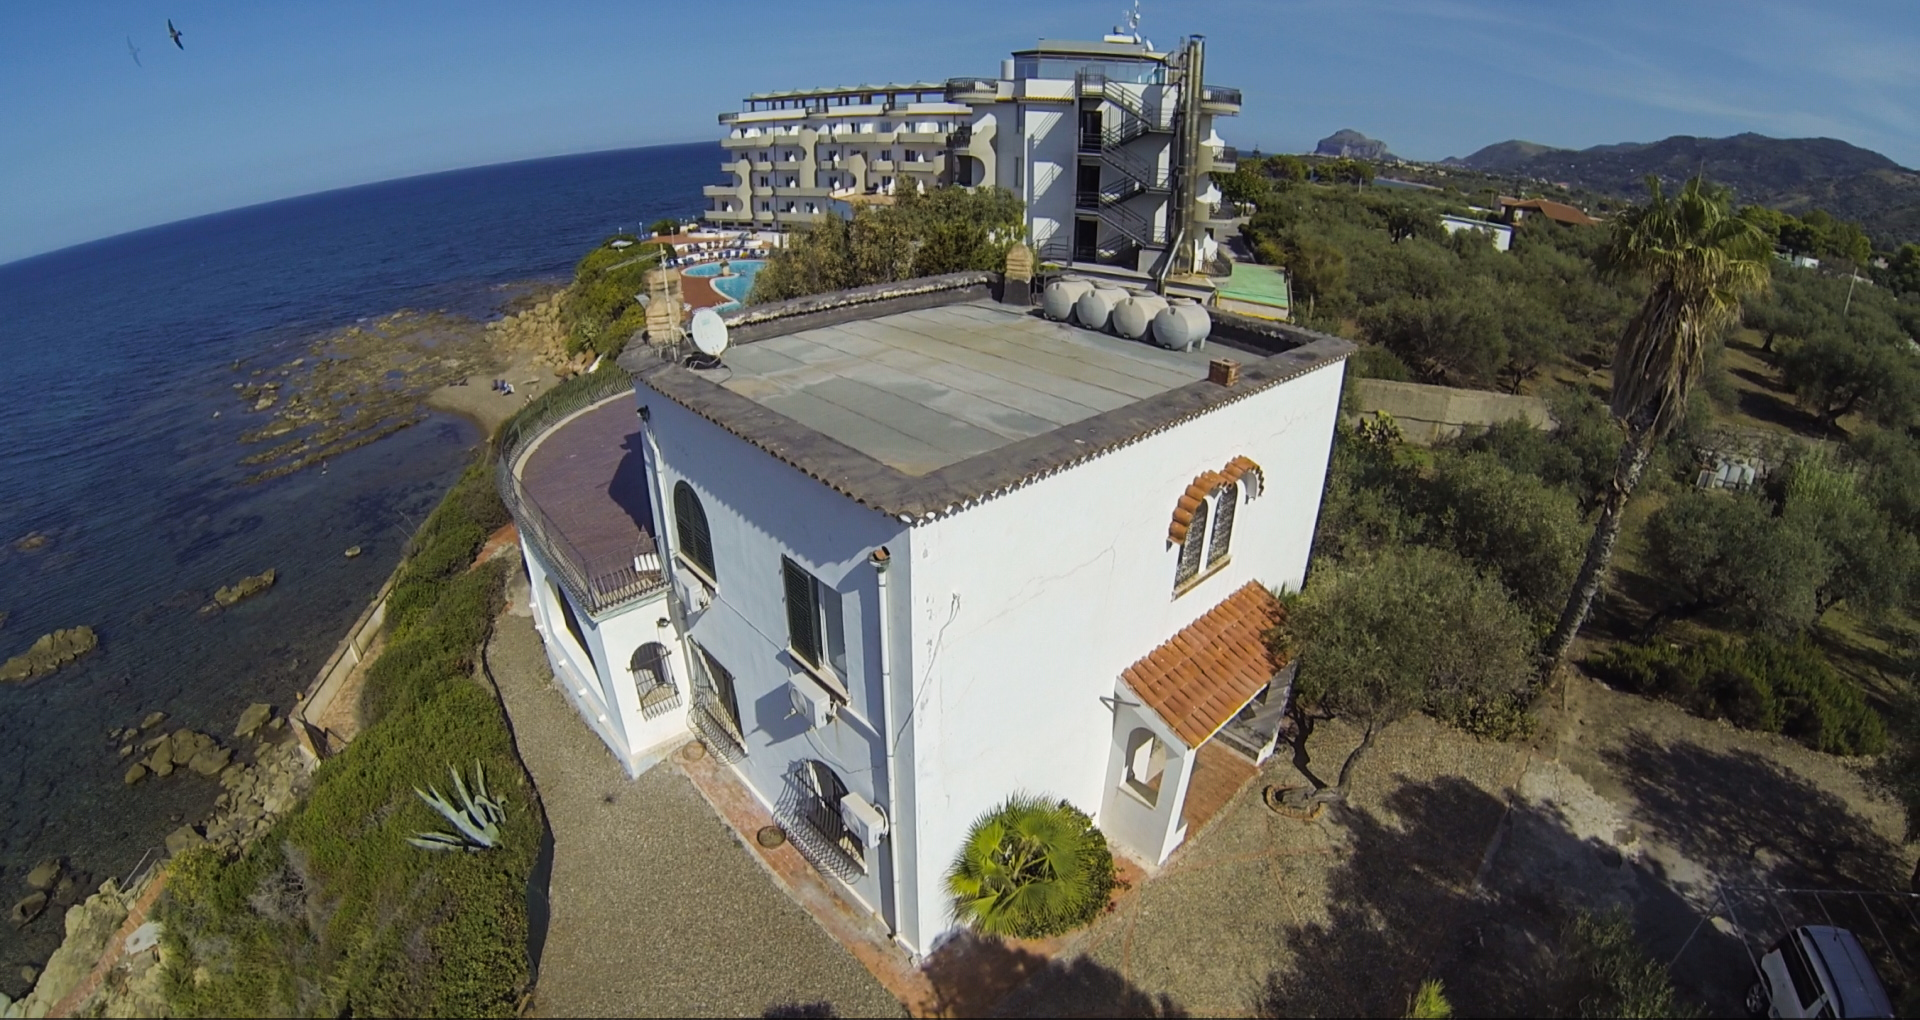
<point x="1427" y="414"/>
<point x="320" y="694"/>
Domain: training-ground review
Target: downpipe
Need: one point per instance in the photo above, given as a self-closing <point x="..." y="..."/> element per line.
<point x="881" y="560"/>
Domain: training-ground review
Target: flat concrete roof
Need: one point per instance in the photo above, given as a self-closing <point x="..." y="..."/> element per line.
<point x="919" y="390"/>
<point x="922" y="397"/>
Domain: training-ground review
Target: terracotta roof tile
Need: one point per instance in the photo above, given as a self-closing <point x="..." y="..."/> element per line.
<point x="1201" y="676"/>
<point x="1203" y="486"/>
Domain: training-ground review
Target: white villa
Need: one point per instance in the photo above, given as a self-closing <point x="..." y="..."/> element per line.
<point x="908" y="550"/>
<point x="1109" y="144"/>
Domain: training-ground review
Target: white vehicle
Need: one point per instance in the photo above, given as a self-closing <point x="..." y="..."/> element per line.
<point x="1818" y="971"/>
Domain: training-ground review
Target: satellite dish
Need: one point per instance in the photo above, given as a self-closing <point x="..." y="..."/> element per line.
<point x="709" y="332"/>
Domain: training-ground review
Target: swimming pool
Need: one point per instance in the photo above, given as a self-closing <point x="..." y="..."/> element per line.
<point x="736" y="286"/>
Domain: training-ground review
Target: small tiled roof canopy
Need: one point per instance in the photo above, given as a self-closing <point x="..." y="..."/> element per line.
<point x="1203" y="486"/>
<point x="1210" y="670"/>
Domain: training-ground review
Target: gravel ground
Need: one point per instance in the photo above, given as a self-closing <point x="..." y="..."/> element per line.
<point x="1619" y="802"/>
<point x="657" y="910"/>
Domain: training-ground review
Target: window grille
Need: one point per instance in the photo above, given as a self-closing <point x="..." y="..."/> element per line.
<point x="1224" y="504"/>
<point x="1192" y="548"/>
<point x="690" y="527"/>
<point x="820" y="794"/>
<point x="651" y="677"/>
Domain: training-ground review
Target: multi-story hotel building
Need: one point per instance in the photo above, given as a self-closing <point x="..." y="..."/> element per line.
<point x="1108" y="143"/>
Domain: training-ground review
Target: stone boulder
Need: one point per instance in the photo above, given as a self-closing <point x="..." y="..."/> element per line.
<point x="253" y="718"/>
<point x="210" y="761"/>
<point x="183" y="839"/>
<point x="153" y="720"/>
<point x="245" y="588"/>
<point x="44" y="874"/>
<point x="27" y="909"/>
<point x="90" y="927"/>
<point x="51" y="652"/>
<point x="136" y="773"/>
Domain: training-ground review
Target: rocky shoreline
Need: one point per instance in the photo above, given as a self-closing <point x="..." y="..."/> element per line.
<point x="264" y="780"/>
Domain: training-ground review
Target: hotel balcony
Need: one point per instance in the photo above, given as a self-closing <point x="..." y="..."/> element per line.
<point x="721" y="191"/>
<point x="789" y="164"/>
<point x="1221" y="102"/>
<point x="1225" y="160"/>
<point x="972" y="90"/>
<point x="596" y="535"/>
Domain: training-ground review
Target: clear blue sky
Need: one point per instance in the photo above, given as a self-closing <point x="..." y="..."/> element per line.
<point x="270" y="100"/>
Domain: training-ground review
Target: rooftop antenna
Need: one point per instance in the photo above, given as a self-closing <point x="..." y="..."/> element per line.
<point x="1128" y="30"/>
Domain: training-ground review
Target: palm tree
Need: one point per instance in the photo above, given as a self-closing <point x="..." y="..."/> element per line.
<point x="1700" y="261"/>
<point x="1030" y="868"/>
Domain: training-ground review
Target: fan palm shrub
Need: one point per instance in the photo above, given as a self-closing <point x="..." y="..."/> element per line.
<point x="1031" y="868"/>
<point x="1699" y="261"/>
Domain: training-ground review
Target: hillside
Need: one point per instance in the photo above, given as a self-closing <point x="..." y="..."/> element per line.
<point x="1792" y="174"/>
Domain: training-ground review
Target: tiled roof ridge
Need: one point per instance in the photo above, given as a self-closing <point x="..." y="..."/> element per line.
<point x="1198" y="679"/>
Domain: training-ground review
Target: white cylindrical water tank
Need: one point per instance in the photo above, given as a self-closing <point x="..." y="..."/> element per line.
<point x="1133" y="318"/>
<point x="1096" y="306"/>
<point x="1057" y="303"/>
<point x="1181" y="327"/>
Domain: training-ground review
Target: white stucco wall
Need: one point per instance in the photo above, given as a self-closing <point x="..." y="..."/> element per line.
<point x="1026" y="609"/>
<point x="596" y="677"/>
<point x="759" y="510"/>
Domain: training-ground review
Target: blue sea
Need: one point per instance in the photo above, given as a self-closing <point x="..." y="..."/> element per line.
<point x="114" y="356"/>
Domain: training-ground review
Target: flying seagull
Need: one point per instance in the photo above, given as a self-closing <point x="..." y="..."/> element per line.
<point x="135" y="50"/>
<point x="175" y="33"/>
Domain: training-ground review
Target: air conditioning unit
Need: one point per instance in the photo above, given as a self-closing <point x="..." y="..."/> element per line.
<point x="811" y="701"/>
<point x="863" y="819"/>
<point x="694" y="596"/>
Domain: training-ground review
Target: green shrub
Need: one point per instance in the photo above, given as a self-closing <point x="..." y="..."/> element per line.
<point x="1761" y="684"/>
<point x="1429" y="1002"/>
<point x="1031" y="869"/>
<point x="1610" y="975"/>
<point x="333" y="912"/>
<point x="444" y="546"/>
<point x="1371" y="361"/>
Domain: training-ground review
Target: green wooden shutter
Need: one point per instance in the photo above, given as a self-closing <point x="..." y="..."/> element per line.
<point x="803" y="620"/>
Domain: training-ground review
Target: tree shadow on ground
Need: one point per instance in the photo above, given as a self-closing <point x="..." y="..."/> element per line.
<point x="1424" y="894"/>
<point x="1738" y="814"/>
<point x="992" y="978"/>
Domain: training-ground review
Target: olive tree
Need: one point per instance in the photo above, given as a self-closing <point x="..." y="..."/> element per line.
<point x="1411" y="629"/>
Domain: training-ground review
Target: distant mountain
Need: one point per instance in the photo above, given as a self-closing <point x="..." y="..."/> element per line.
<point x="1501" y="156"/>
<point x="1793" y="174"/>
<point x="1347" y="143"/>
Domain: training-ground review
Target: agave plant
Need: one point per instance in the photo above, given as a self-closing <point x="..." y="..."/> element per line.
<point x="476" y="821"/>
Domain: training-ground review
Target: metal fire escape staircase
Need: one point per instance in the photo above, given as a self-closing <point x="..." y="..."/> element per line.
<point x="1137" y="176"/>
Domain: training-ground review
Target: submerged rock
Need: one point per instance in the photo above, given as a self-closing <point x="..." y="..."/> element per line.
<point x="245" y="588"/>
<point x="27" y="909"/>
<point x="153" y="720"/>
<point x="44" y="874"/>
<point x="49" y="653"/>
<point x="352" y="551"/>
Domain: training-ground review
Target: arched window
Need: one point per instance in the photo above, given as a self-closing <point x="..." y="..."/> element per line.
<point x="1146" y="764"/>
<point x="1223" y="506"/>
<point x="821" y="790"/>
<point x="650" y="675"/>
<point x="690" y="527"/>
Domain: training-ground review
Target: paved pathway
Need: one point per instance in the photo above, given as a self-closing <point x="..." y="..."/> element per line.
<point x="657" y="910"/>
